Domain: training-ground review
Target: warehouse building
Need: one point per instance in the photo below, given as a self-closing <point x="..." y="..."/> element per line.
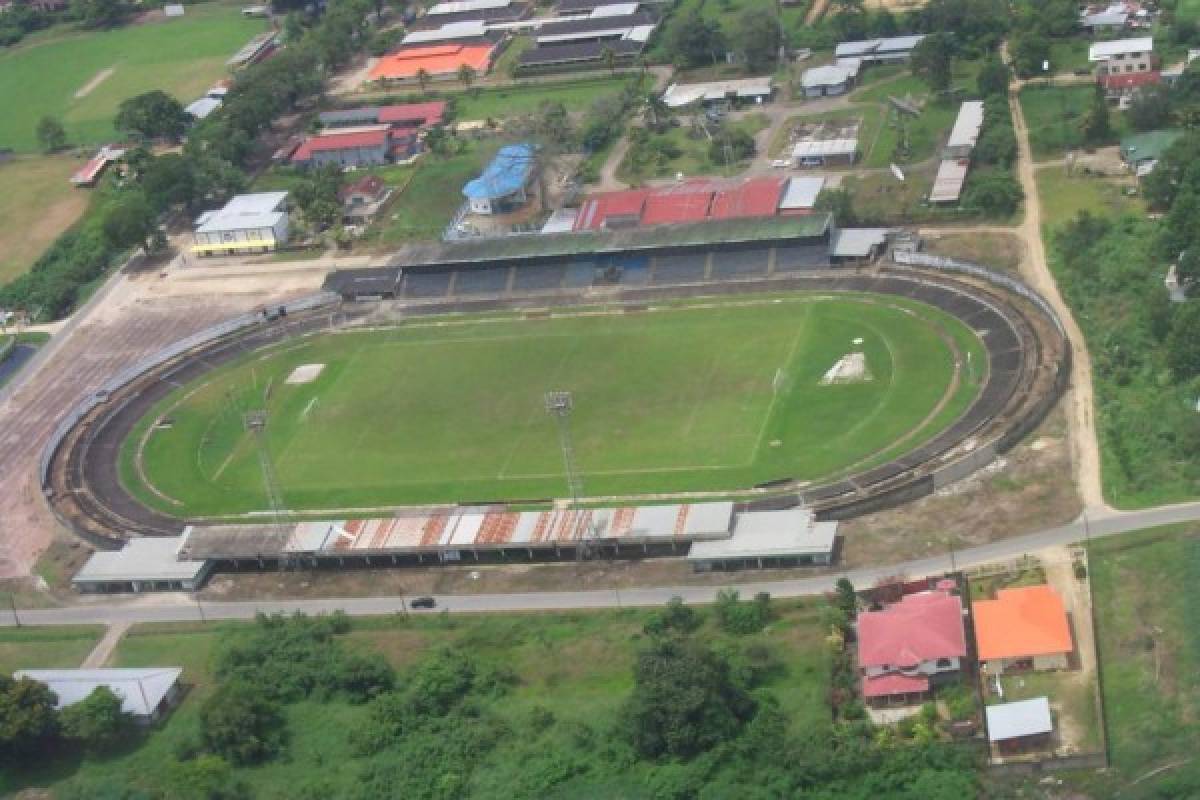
<point x="830" y="80"/>
<point x="890" y="50"/>
<point x="956" y="155"/>
<point x="825" y="152"/>
<point x="249" y="223"/>
<point x="755" y="90"/>
<point x="403" y="117"/>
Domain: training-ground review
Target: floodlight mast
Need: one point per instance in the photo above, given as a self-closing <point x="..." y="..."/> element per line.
<point x="256" y="423"/>
<point x="559" y="405"/>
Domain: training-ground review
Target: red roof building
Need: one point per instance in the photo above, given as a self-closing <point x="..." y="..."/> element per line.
<point x="350" y="147"/>
<point x="1120" y="83"/>
<point x="690" y="201"/>
<point x="904" y="646"/>
<point x="413" y="115"/>
<point x="757" y="197"/>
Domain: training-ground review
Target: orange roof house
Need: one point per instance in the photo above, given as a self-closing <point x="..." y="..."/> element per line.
<point x="1024" y="622"/>
<point x="436" y="59"/>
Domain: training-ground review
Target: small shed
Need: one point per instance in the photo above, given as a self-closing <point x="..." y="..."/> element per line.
<point x="827" y="81"/>
<point x="1021" y="726"/>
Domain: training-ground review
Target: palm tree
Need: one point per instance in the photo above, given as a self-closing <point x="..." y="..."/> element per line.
<point x="609" y="57"/>
<point x="423" y="79"/>
<point x="466" y="75"/>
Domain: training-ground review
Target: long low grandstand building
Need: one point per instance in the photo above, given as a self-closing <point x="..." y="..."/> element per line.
<point x="496" y="534"/>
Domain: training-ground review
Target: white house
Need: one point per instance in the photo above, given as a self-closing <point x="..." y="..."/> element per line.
<point x="147" y="693"/>
<point x="249" y="223"/>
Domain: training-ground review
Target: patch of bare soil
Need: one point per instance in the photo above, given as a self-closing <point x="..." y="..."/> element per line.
<point x="1029" y="488"/>
<point x="97" y="79"/>
<point x="1002" y="251"/>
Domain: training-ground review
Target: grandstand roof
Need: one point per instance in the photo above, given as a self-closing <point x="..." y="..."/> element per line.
<point x="757" y="197"/>
<point x="507" y="173"/>
<point x="440" y="59"/>
<point x="801" y="192"/>
<point x="598" y="242"/>
<point x="597" y="209"/>
<point x="686" y="202"/>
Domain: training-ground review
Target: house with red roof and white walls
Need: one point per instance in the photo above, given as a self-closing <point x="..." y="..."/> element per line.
<point x="909" y="647"/>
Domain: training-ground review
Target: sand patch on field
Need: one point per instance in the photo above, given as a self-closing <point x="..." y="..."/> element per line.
<point x="97" y="79"/>
<point x="850" y="368"/>
<point x="305" y="373"/>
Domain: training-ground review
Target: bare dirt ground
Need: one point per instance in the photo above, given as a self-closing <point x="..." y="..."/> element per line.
<point x="97" y="79"/>
<point x="1028" y="488"/>
<point x="133" y="316"/>
<point x="1003" y="251"/>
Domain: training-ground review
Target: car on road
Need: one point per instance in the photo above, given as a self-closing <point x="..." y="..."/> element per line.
<point x="423" y="602"/>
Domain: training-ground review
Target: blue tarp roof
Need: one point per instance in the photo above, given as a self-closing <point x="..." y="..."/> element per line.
<point x="507" y="173"/>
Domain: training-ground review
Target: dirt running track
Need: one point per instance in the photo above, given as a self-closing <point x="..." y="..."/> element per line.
<point x="130" y="318"/>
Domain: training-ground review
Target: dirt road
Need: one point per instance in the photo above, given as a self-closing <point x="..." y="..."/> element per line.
<point x="1080" y="400"/>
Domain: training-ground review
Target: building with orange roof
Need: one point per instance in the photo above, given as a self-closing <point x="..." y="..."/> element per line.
<point x="1023" y="628"/>
<point x="440" y="61"/>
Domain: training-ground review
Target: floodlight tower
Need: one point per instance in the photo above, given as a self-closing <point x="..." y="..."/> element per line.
<point x="256" y="423"/>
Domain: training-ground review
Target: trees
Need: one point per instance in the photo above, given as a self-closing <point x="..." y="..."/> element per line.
<point x="684" y="701"/>
<point x="50" y="134"/>
<point x="692" y="40"/>
<point x="97" y="722"/>
<point x="932" y="61"/>
<point x="1029" y="53"/>
<point x="152" y="115"/>
<point x="757" y="37"/>
<point x="675" y="618"/>
<point x="1149" y="108"/>
<point x="27" y="717"/>
<point x="466" y="75"/>
<point x="240" y="724"/>
<point x="838" y="202"/>
<point x="99" y="13"/>
<point x="995" y="193"/>
<point x="735" y="616"/>
<point x="1183" y="342"/>
<point x="730" y="146"/>
<point x="1097" y="127"/>
<point x="423" y="77"/>
<point x="131" y="221"/>
<point x="168" y="180"/>
<point x="993" y="77"/>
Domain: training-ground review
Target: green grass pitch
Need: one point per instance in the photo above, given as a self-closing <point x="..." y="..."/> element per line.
<point x="44" y="74"/>
<point x="715" y="396"/>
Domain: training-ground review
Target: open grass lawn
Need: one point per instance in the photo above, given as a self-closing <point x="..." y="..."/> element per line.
<point x="1065" y="196"/>
<point x="1069" y="55"/>
<point x="694" y="158"/>
<point x="511" y="101"/>
<point x="180" y="56"/>
<point x="1055" y="117"/>
<point x="425" y="196"/>
<point x="1149" y="650"/>
<point x="34" y="648"/>
<point x="578" y="666"/>
<point x="37" y="203"/>
<point x="689" y="397"/>
<point x="1072" y="699"/>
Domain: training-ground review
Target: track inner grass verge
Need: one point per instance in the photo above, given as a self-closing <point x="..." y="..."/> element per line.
<point x="712" y="396"/>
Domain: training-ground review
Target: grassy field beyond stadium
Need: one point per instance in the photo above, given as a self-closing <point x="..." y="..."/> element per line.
<point x="715" y="397"/>
<point x="49" y="73"/>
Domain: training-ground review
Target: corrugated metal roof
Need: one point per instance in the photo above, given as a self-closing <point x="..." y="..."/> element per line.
<point x="1014" y="720"/>
<point x="857" y="242"/>
<point x="825" y="147"/>
<point x="967" y="125"/>
<point x="1102" y="51"/>
<point x="147" y="558"/>
<point x="829" y="75"/>
<point x="458" y="6"/>
<point x="141" y="690"/>
<point x="469" y="29"/>
<point x="769" y="534"/>
<point x="342" y="140"/>
<point x="802" y="191"/>
<point x="682" y="94"/>
<point x="868" y="47"/>
<point x="948" y="183"/>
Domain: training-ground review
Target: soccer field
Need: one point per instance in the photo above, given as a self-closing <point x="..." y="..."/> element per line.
<point x="81" y="77"/>
<point x="702" y="397"/>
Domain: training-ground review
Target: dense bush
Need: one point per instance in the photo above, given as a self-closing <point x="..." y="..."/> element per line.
<point x="736" y="616"/>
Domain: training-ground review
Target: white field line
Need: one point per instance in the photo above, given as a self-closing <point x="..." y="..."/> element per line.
<point x="762" y="431"/>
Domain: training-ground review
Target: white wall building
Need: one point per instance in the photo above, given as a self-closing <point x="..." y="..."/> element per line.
<point x="249" y="223"/>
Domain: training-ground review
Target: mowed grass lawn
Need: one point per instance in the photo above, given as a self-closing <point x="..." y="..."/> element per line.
<point x="180" y="56"/>
<point x="527" y="98"/>
<point x="579" y="666"/>
<point x="37" y="203"/>
<point x="1064" y="196"/>
<point x="1149" y="650"/>
<point x="685" y="398"/>
<point x="38" y="648"/>
<point x="1055" y="116"/>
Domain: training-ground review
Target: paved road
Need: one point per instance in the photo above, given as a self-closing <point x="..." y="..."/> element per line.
<point x="176" y="608"/>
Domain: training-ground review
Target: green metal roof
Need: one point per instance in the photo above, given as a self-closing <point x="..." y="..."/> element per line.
<point x="696" y="234"/>
<point x="1147" y="146"/>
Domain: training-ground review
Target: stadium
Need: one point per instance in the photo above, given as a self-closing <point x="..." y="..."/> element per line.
<point x="688" y="365"/>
